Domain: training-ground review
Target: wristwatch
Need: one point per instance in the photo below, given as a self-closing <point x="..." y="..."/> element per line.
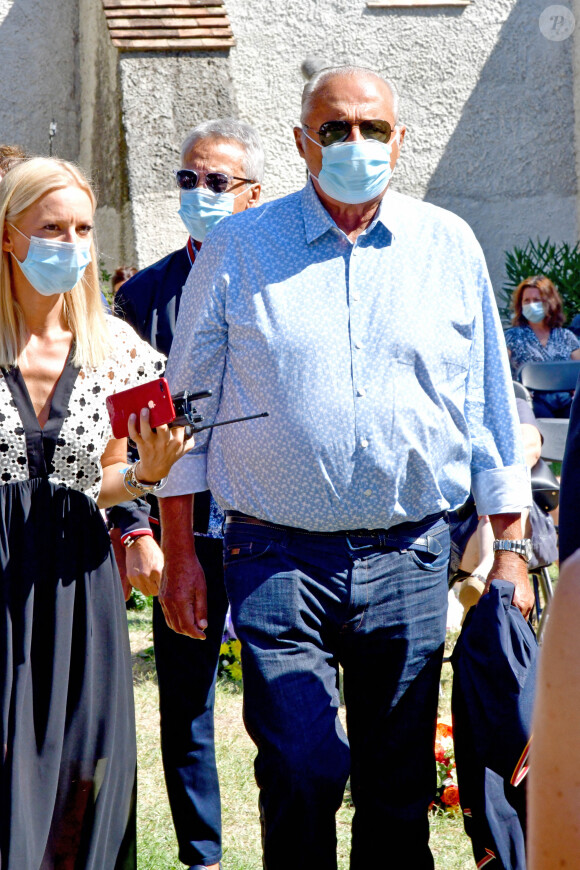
<point x="135" y="487"/>
<point x="522" y="547"/>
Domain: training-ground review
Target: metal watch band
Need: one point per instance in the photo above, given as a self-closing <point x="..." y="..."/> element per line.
<point x="136" y="487"/>
<point x="523" y="547"/>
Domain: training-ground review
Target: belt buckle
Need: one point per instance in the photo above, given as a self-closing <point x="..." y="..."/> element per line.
<point x="357" y="546"/>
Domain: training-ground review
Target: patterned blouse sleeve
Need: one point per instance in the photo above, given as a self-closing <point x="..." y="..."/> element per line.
<point x="572" y="340"/>
<point x="513" y="344"/>
<point x="133" y="361"/>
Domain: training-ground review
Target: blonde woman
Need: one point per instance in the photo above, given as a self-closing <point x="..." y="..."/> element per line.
<point x="67" y="741"/>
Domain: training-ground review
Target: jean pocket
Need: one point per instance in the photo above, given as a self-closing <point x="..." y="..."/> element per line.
<point x="242" y="552"/>
<point x="432" y="561"/>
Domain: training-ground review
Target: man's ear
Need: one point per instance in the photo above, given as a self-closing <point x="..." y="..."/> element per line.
<point x="298" y="139"/>
<point x="397" y="142"/>
<point x="255" y="191"/>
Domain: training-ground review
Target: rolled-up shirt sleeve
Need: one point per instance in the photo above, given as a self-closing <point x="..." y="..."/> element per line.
<point x="499" y="476"/>
<point x="197" y="359"/>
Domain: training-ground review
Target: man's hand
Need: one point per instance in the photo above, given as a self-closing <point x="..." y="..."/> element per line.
<point x="183" y="591"/>
<point x="509" y="566"/>
<point x="144" y="564"/>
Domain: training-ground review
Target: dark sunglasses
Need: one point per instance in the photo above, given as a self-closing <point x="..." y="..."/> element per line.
<point x="217" y="182"/>
<point x="337" y="131"/>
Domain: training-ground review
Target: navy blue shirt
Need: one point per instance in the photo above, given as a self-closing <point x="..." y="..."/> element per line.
<point x="569" y="527"/>
<point x="149" y="301"/>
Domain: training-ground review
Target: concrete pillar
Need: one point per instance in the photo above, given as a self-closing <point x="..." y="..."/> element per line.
<point x="164" y="95"/>
<point x="102" y="148"/>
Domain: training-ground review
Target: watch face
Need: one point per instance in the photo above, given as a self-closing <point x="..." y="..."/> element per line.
<point x="528" y="549"/>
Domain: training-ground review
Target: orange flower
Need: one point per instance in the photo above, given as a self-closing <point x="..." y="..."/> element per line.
<point x="443" y="730"/>
<point x="450" y="796"/>
<point x="440" y="754"/>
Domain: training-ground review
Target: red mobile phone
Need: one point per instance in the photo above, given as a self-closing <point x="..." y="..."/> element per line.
<point x="154" y="395"/>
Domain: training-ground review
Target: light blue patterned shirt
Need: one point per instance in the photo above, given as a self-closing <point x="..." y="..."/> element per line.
<point x="382" y="364"/>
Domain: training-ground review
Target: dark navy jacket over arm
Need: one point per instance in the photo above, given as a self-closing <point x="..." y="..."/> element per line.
<point x="149" y="301"/>
<point x="569" y="525"/>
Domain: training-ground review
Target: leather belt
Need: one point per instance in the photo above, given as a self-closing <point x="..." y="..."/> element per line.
<point x="383" y="537"/>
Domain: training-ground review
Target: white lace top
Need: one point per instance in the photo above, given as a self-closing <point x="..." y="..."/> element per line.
<point x="86" y="428"/>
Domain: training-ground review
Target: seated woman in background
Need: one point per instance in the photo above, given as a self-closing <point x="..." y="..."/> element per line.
<point x="67" y="734"/>
<point x="537" y="336"/>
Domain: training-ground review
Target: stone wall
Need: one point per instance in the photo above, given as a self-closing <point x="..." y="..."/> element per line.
<point x="487" y="100"/>
<point x="39" y="57"/>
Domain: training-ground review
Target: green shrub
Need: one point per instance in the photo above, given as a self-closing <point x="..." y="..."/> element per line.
<point x="230" y="663"/>
<point x="105" y="281"/>
<point x="138" y="601"/>
<point x="558" y="262"/>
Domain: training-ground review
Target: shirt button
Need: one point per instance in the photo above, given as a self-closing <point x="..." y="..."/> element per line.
<point x="368" y="492"/>
<point x="355" y="297"/>
<point x="361" y="392"/>
<point x="358" y="345"/>
<point x="364" y="442"/>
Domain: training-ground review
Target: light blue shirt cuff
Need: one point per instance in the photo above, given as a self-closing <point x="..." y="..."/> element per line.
<point x="502" y="490"/>
<point x="187" y="475"/>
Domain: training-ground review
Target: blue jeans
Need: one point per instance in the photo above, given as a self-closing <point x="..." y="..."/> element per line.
<point x="552" y="404"/>
<point x="302" y="604"/>
<point x="186" y="672"/>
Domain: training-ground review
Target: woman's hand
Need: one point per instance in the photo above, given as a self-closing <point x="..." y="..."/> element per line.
<point x="159" y="449"/>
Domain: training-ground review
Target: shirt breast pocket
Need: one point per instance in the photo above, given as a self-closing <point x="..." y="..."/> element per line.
<point x="452" y="372"/>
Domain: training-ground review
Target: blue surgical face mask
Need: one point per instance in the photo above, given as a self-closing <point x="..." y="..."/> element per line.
<point x="534" y="312"/>
<point x="201" y="210"/>
<point x="54" y="267"/>
<point x="355" y="172"/>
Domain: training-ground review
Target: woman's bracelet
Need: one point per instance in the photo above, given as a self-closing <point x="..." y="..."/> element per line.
<point x="135" y="487"/>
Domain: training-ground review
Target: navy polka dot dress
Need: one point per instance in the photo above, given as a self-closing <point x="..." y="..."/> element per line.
<point x="67" y="733"/>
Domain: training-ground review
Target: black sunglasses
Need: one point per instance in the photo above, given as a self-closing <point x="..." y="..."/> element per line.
<point x="337" y="131"/>
<point x="217" y="182"/>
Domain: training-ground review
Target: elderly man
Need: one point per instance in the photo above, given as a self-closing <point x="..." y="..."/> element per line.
<point x="365" y="323"/>
<point x="222" y="164"/>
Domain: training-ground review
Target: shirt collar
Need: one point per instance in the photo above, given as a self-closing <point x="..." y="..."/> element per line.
<point x="317" y="221"/>
<point x="191" y="251"/>
<point x="389" y="213"/>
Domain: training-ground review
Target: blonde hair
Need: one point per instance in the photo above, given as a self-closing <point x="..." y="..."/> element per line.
<point x="83" y="309"/>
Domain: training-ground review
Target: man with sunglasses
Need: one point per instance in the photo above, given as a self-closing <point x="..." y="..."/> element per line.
<point x="364" y="322"/>
<point x="222" y="164"/>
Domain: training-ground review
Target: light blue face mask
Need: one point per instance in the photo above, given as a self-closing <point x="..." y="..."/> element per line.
<point x="201" y="210"/>
<point x="354" y="172"/>
<point x="54" y="267"/>
<point x="534" y="312"/>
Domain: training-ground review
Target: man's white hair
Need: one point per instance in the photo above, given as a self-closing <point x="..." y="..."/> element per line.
<point x="236" y="131"/>
<point x="321" y="77"/>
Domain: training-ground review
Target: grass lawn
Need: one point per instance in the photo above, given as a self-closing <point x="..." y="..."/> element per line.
<point x="235" y="752"/>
